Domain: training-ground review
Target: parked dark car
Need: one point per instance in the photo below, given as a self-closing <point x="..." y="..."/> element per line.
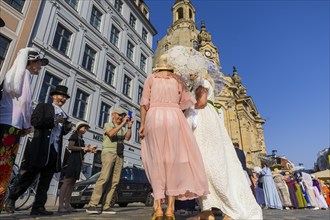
<point x="132" y="187"/>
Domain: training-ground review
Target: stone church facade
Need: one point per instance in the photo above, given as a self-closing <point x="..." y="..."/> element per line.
<point x="242" y="119"/>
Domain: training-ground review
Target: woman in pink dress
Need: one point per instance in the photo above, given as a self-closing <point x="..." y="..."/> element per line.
<point x="170" y="153"/>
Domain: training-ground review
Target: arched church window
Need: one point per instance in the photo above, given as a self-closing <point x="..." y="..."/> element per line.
<point x="179" y="13"/>
<point x="190" y="14"/>
<point x="166" y="47"/>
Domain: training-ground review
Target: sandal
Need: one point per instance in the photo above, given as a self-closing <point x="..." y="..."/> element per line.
<point x="158" y="214"/>
<point x="169" y="214"/>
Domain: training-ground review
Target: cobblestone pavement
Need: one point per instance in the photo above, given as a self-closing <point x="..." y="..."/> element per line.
<point x="138" y="211"/>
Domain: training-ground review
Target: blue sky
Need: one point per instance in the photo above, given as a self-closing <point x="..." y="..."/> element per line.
<point x="281" y="51"/>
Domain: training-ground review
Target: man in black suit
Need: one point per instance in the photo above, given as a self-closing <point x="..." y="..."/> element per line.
<point x="43" y="154"/>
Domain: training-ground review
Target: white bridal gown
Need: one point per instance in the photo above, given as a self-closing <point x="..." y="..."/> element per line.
<point x="229" y="188"/>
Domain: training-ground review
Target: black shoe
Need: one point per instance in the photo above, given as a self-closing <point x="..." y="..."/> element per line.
<point x="40" y="211"/>
<point x="108" y="211"/>
<point x="10" y="206"/>
<point x="92" y="210"/>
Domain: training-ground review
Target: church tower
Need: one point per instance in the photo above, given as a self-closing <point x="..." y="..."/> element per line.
<point x="241" y="117"/>
<point x="183" y="30"/>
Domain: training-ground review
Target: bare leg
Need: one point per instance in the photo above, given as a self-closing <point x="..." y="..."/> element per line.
<point x="63" y="191"/>
<point x="68" y="194"/>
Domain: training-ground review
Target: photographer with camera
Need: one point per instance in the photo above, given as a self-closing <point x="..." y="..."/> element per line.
<point x="112" y="157"/>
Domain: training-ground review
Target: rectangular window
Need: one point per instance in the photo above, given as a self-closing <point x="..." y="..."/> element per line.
<point x="130" y="50"/>
<point x="17" y="4"/>
<point x="114" y="36"/>
<point x="127" y="86"/>
<point x="4" y="45"/>
<point x="132" y="20"/>
<point x="89" y="58"/>
<point x="48" y="85"/>
<point x="109" y="73"/>
<point x="96" y="17"/>
<point x="104" y="114"/>
<point x="140" y="90"/>
<point x="62" y="39"/>
<point x="143" y="61"/>
<point x="137" y="136"/>
<point x="118" y="5"/>
<point x="80" y="105"/>
<point x="144" y="34"/>
<point x="73" y="3"/>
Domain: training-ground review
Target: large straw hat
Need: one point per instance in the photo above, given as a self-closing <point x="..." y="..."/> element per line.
<point x="162" y="64"/>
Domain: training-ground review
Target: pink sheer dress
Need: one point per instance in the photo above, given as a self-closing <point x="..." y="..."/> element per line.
<point x="170" y="153"/>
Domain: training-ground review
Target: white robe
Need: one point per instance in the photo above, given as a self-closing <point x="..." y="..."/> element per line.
<point x="229" y="188"/>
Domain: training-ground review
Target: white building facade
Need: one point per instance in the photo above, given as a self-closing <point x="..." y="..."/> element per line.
<point x="102" y="51"/>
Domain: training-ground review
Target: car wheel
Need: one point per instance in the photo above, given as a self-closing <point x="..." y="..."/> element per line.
<point x="149" y="200"/>
<point x="114" y="199"/>
<point x="78" y="206"/>
<point x="123" y="204"/>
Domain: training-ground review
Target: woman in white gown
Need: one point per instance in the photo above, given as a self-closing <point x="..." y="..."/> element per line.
<point x="229" y="188"/>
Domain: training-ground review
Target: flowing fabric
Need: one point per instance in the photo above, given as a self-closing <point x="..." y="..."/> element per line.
<point x="326" y="192"/>
<point x="319" y="197"/>
<point x="308" y="183"/>
<point x="229" y="188"/>
<point x="304" y="192"/>
<point x="170" y="154"/>
<point x="300" y="197"/>
<point x="292" y="190"/>
<point x="271" y="195"/>
<point x="282" y="189"/>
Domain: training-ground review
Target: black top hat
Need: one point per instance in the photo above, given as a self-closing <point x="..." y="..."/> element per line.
<point x="60" y="90"/>
<point x="2" y="23"/>
<point x="34" y="55"/>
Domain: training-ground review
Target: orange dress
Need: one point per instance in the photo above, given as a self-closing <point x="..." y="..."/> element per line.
<point x="170" y="154"/>
<point x="326" y="192"/>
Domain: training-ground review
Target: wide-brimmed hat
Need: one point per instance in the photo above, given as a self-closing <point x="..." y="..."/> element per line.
<point x="60" y="90"/>
<point x="81" y="124"/>
<point x="119" y="111"/>
<point x="2" y="23"/>
<point x="34" y="55"/>
<point x="162" y="64"/>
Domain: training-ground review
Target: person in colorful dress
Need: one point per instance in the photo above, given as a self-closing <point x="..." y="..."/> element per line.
<point x="326" y="191"/>
<point x="299" y="193"/>
<point x="72" y="173"/>
<point x="16" y="110"/>
<point x="271" y="195"/>
<point x="282" y="188"/>
<point x="318" y="193"/>
<point x="170" y="153"/>
<point x="308" y="185"/>
<point x="259" y="192"/>
<point x="291" y="183"/>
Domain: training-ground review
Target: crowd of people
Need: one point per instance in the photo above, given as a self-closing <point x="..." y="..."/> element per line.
<point x="186" y="150"/>
<point x="279" y="189"/>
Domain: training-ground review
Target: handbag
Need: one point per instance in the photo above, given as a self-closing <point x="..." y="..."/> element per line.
<point x="120" y="144"/>
<point x="120" y="148"/>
